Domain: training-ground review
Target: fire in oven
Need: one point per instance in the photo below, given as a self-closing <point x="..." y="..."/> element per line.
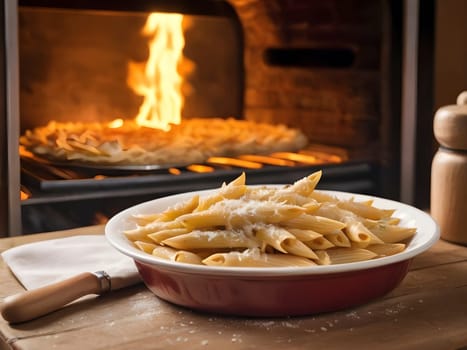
<point x="126" y="103"/>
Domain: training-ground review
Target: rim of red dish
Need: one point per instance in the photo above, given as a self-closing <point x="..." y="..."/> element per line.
<point x="428" y="233"/>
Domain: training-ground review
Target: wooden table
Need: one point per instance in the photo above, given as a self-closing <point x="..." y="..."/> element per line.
<point x="427" y="311"/>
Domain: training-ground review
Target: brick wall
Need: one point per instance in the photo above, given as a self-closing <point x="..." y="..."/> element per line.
<point x="333" y="103"/>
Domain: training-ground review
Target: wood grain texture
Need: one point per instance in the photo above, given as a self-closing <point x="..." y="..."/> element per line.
<point x="427" y="311"/>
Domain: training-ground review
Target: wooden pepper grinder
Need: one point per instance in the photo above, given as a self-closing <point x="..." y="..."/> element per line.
<point x="449" y="171"/>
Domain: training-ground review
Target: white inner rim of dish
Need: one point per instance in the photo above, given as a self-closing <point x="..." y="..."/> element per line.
<point x="427" y="234"/>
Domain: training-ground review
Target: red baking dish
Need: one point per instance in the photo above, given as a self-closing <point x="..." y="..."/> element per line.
<point x="275" y="291"/>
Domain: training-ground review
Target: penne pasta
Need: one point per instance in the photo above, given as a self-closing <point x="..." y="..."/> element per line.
<point x="393" y="233"/>
<point x="299" y="192"/>
<point x="204" y="219"/>
<point x="265" y="212"/>
<point x="253" y="258"/>
<point x="316" y="223"/>
<point x="357" y="232"/>
<point x="233" y="190"/>
<point x="388" y="221"/>
<point x="260" y="193"/>
<point x="338" y="239"/>
<point x="283" y="241"/>
<point x="180" y="209"/>
<point x="270" y="226"/>
<point x="211" y="239"/>
<point x="306" y="185"/>
<point x="354" y="229"/>
<point x="386" y="249"/>
<point x="322" y="197"/>
<point x="164" y="252"/>
<point x="319" y="243"/>
<point x="162" y="235"/>
<point x="365" y="210"/>
<point x="177" y="255"/>
<point x="285" y="196"/>
<point x="188" y="258"/>
<point x="298" y="248"/>
<point x="138" y="236"/>
<point x="239" y="181"/>
<point x="140" y="233"/>
<point x="349" y="255"/>
<point x="332" y="211"/>
<point x="144" y="219"/>
<point x="233" y="213"/>
<point x="304" y="235"/>
<point x="145" y="247"/>
<point x="273" y="236"/>
<point x="323" y="257"/>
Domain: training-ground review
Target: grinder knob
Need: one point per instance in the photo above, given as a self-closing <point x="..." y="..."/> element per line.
<point x="450" y="124"/>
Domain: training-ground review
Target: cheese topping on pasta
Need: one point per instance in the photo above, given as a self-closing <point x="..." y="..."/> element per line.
<point x="270" y="226"/>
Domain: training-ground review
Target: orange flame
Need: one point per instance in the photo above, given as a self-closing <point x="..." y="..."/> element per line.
<point x="116" y="123"/>
<point x="158" y="79"/>
<point x="24" y="195"/>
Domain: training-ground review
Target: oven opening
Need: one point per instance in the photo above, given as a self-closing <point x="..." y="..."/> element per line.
<point x="119" y="107"/>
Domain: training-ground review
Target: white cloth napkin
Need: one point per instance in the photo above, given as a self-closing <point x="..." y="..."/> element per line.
<point x="41" y="263"/>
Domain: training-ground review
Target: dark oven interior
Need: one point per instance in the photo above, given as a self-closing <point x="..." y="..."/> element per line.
<point x="331" y="69"/>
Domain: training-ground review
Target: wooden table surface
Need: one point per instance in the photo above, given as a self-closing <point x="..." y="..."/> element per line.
<point x="427" y="311"/>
